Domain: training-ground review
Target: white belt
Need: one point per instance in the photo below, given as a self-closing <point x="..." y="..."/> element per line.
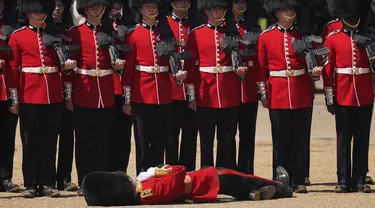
<point x="152" y="69"/>
<point x="95" y="72"/>
<point x="287" y="73"/>
<point x="40" y="70"/>
<point x="354" y="70"/>
<point x="216" y="69"/>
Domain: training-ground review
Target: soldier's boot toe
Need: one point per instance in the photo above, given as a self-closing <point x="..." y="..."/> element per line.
<point x="9" y="186"/>
<point x="341" y="189"/>
<point x="49" y="192"/>
<point x="69" y="186"/>
<point x="369" y="180"/>
<point x="364" y="188"/>
<point x="79" y="192"/>
<point x="264" y="193"/>
<point x="29" y="193"/>
<point x="307" y="182"/>
<point x="301" y="189"/>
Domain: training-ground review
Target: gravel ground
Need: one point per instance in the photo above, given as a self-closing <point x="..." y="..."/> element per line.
<point x="322" y="174"/>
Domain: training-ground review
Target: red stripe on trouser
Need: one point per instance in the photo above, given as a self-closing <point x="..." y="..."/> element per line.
<point x="233" y="172"/>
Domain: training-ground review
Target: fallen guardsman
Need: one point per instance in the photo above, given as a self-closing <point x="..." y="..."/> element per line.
<point x="172" y="184"/>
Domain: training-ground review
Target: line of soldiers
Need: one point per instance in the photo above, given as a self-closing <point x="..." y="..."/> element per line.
<point x="177" y="67"/>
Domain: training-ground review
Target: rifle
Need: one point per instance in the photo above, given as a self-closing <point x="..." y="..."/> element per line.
<point x="305" y="47"/>
<point x="369" y="45"/>
<point x="167" y="50"/>
<point x="231" y="44"/>
<point x="6" y="32"/>
<point x="106" y="41"/>
<point x="62" y="50"/>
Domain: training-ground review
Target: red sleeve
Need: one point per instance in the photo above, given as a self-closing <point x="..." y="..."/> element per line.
<point x="262" y="58"/>
<point x="128" y="75"/>
<point x="15" y="63"/>
<point x="166" y="189"/>
<point x="190" y="63"/>
<point x="329" y="67"/>
<point x="324" y="33"/>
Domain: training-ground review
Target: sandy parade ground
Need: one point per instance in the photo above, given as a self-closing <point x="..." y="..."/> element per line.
<point x="322" y="174"/>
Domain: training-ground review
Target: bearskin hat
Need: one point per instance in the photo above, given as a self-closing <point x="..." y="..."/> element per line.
<point x="83" y="4"/>
<point x="272" y="6"/>
<point x="35" y="6"/>
<point x="209" y="4"/>
<point x="135" y="5"/>
<point x="108" y="189"/>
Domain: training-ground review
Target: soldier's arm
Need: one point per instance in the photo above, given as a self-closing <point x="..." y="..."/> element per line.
<point x="262" y="59"/>
<point x="191" y="80"/>
<point x="67" y="77"/>
<point x="13" y="73"/>
<point x="328" y="73"/>
<point x="260" y="79"/>
<point x="128" y="75"/>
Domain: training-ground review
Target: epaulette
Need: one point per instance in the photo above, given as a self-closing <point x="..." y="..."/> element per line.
<point x="72" y="27"/>
<point x="19" y="29"/>
<point x="333" y="32"/>
<point x="197" y="27"/>
<point x="333" y="21"/>
<point x="133" y="28"/>
<point x="269" y="29"/>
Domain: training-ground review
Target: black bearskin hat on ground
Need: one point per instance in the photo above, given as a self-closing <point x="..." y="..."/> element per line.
<point x="209" y="4"/>
<point x="108" y="189"/>
<point x="35" y="6"/>
<point x="83" y="4"/>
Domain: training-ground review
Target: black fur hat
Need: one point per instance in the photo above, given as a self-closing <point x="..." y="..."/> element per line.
<point x="35" y="6"/>
<point x="83" y="4"/>
<point x="272" y="6"/>
<point x="209" y="4"/>
<point x="108" y="189"/>
<point x="135" y="6"/>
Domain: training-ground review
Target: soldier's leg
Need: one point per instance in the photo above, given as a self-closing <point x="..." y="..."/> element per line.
<point x="66" y="148"/>
<point x="280" y="125"/>
<point x="119" y="141"/>
<point x="226" y="142"/>
<point x="8" y="124"/>
<point x="171" y="148"/>
<point x="361" y="144"/>
<point x="344" y="132"/>
<point x="206" y="118"/>
<point x="143" y="114"/>
<point x="247" y="118"/>
<point x="161" y="131"/>
<point x="188" y="148"/>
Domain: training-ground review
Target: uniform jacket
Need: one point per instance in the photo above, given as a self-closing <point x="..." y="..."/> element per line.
<point x="29" y="52"/>
<point x="276" y="56"/>
<point x="348" y="87"/>
<point x="91" y="91"/>
<point x="215" y="87"/>
<point x="330" y="27"/>
<point x="145" y="73"/>
<point x="170" y="188"/>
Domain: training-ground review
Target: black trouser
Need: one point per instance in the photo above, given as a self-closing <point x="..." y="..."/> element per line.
<point x="8" y="124"/>
<point x="40" y="127"/>
<point x="225" y="119"/>
<point x="184" y="119"/>
<point x="66" y="148"/>
<point x="91" y="131"/>
<point x="290" y="135"/>
<point x="239" y="185"/>
<point x="353" y="122"/>
<point x="305" y="152"/>
<point x="247" y="118"/>
<point x="152" y="130"/>
<point x="119" y="143"/>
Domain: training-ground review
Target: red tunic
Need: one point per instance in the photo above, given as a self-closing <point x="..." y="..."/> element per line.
<point x="181" y="29"/>
<point x="249" y="88"/>
<point x="348" y="88"/>
<point x="276" y="56"/>
<point x="330" y="27"/>
<point x="170" y="188"/>
<point x="216" y="84"/>
<point x="29" y="53"/>
<point x="4" y="88"/>
<point x="145" y="73"/>
<point x="117" y="78"/>
<point x="91" y="91"/>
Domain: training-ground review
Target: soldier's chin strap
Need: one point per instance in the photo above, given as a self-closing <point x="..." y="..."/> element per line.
<point x="222" y="18"/>
<point x="350" y="26"/>
<point x="180" y="8"/>
<point x="240" y="10"/>
<point x="153" y="16"/>
<point x="99" y="16"/>
<point x="289" y="18"/>
<point x="40" y="21"/>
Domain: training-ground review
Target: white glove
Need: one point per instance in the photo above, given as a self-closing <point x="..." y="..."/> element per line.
<point x="144" y="176"/>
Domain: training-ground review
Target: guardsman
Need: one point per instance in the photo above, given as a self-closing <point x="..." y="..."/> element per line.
<point x="184" y="118"/>
<point x="36" y="84"/>
<point x="93" y="88"/>
<point x="217" y="86"/>
<point x="248" y="110"/>
<point x="8" y="119"/>
<point x="119" y="143"/>
<point x="349" y="96"/>
<point x="290" y="90"/>
<point x="64" y="22"/>
<point x="146" y="83"/>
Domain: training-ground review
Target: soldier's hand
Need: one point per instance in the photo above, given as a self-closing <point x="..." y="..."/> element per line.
<point x="181" y="75"/>
<point x="119" y="64"/>
<point x="2" y="62"/>
<point x="69" y="105"/>
<point x="14" y="109"/>
<point x="241" y="71"/>
<point x="193" y="105"/>
<point x="265" y="103"/>
<point x="317" y="71"/>
<point x="70" y="64"/>
<point x="127" y="109"/>
<point x="331" y="109"/>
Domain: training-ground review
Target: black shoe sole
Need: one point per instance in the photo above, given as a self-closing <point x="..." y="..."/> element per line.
<point x="263" y="193"/>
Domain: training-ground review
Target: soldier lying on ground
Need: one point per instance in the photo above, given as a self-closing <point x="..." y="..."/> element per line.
<point x="172" y="184"/>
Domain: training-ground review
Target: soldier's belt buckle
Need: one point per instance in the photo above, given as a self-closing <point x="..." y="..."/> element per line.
<point x="156" y="69"/>
<point x="43" y="70"/>
<point x="96" y="73"/>
<point x="355" y="71"/>
<point x="290" y="73"/>
<point x="218" y="69"/>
